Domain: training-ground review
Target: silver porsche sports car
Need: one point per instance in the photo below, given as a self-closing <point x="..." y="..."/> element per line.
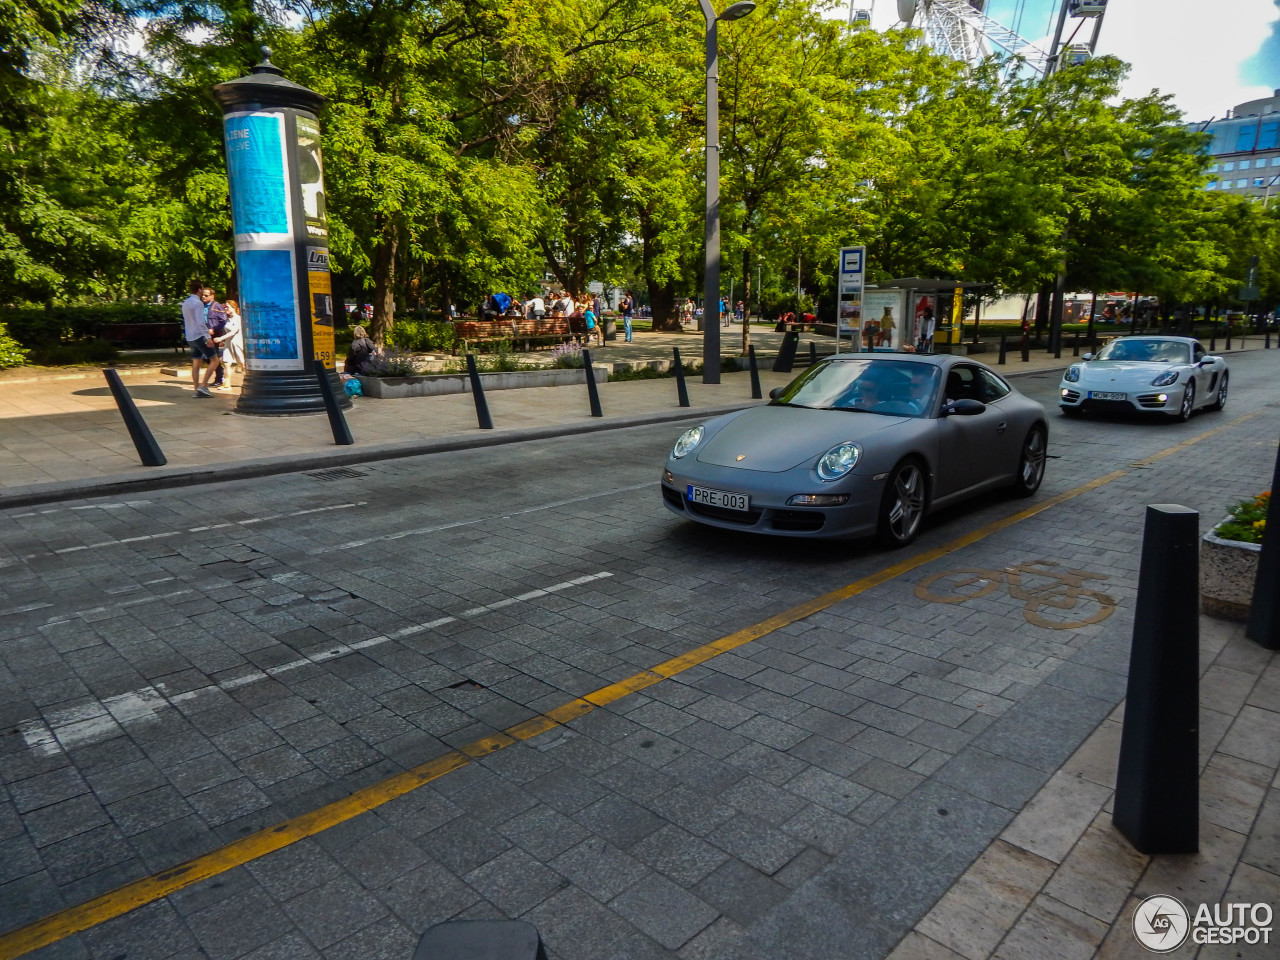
<point x="858" y="445"/>
<point x="1169" y="375"/>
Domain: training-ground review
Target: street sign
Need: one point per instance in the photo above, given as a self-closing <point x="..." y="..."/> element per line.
<point x="851" y="277"/>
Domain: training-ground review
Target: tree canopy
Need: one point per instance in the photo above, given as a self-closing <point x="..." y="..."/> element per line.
<point x="477" y="145"/>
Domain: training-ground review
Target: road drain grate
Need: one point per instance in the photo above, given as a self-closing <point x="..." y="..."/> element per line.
<point x="337" y="473"/>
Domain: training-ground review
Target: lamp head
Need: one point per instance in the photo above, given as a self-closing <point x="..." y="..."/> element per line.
<point x="737" y="11"/>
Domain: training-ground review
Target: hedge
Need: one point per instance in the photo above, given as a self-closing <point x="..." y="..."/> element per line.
<point x="37" y="327"/>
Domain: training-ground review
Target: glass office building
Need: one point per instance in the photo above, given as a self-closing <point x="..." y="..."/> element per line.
<point x="1246" y="149"/>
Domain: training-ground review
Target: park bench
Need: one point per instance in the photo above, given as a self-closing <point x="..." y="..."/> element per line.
<point x="546" y="330"/>
<point x="481" y="331"/>
<point x="143" y="334"/>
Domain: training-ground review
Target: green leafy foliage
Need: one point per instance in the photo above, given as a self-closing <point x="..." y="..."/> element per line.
<point x="12" y="353"/>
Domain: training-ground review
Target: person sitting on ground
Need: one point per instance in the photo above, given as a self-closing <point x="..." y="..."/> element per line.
<point x="362" y="348"/>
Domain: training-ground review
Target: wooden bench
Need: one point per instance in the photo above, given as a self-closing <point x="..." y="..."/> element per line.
<point x="546" y="330"/>
<point x="144" y="334"/>
<point x="481" y="331"/>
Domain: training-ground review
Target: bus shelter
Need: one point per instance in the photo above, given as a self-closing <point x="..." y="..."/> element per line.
<point x="908" y="314"/>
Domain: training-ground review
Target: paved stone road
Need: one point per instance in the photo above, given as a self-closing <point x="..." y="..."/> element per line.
<point x="183" y="668"/>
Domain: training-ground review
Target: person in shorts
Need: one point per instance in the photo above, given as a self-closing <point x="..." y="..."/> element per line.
<point x="199" y="338"/>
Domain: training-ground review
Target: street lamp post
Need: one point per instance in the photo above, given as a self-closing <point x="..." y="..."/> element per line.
<point x="711" y="274"/>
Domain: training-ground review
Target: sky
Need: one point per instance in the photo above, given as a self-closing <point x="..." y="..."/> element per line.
<point x="1208" y="54"/>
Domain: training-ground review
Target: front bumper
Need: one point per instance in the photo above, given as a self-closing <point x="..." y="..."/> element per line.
<point x="769" y="512"/>
<point x="1149" y="400"/>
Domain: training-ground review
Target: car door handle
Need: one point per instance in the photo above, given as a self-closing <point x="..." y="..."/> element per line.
<point x="1002" y="426"/>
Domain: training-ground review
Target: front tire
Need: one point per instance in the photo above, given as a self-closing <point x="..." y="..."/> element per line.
<point x="903" y="505"/>
<point x="1188" y="402"/>
<point x="1031" y="462"/>
<point x="1220" y="399"/>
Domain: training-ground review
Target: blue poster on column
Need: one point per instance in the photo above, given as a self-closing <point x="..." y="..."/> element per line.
<point x="268" y="291"/>
<point x="256" y="169"/>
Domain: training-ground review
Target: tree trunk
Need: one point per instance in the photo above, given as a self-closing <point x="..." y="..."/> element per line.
<point x="662" y="296"/>
<point x="1042" y="311"/>
<point x="384" y="278"/>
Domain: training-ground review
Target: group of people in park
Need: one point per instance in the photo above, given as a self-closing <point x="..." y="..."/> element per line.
<point x="586" y="308"/>
<point x="215" y="333"/>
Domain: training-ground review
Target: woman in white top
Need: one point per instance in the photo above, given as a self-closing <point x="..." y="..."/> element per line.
<point x="232" y="341"/>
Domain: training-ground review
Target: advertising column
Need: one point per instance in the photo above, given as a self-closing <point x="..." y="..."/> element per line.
<point x="851" y="277"/>
<point x="275" y="172"/>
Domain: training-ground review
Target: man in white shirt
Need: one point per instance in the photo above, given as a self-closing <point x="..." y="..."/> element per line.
<point x="535" y="308"/>
<point x="195" y="328"/>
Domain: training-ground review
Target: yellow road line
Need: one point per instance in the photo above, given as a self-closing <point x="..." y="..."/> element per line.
<point x="147" y="890"/>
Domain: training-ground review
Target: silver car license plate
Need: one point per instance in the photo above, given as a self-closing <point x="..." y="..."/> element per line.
<point x="724" y="499"/>
<point x="1104" y="395"/>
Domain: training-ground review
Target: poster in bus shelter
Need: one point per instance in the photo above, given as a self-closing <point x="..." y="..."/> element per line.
<point x="887" y="310"/>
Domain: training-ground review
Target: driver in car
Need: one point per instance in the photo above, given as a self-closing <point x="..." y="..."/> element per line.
<point x="878" y="393"/>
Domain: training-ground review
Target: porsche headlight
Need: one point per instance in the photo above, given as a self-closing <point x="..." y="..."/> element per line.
<point x="839" y="460"/>
<point x="1072" y="375"/>
<point x="688" y="440"/>
<point x="1166" y="378"/>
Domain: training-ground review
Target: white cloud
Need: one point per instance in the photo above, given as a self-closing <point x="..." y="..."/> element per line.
<point x="1190" y="49"/>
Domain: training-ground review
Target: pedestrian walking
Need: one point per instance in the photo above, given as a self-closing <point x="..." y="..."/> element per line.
<point x="196" y="331"/>
<point x="627" y="307"/>
<point x="740" y="312"/>
<point x="215" y="315"/>
<point x="231" y="342"/>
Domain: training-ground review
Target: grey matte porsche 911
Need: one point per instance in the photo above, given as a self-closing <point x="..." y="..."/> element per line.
<point x="860" y="445"/>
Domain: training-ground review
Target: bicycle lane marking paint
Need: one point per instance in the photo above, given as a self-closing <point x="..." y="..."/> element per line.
<point x="139" y="893"/>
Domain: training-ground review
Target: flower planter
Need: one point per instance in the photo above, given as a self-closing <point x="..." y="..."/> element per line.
<point x="1227" y="572"/>
<point x="428" y="385"/>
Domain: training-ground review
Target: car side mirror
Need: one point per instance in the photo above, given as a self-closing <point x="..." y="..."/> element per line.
<point x="776" y="392"/>
<point x="1206" y="360"/>
<point x="963" y="408"/>
<point x="1087" y="356"/>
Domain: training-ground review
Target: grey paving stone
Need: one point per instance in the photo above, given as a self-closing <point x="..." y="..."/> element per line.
<point x="832" y="791"/>
<point x="87" y="853"/>
<point x="755" y="842"/>
<point x="989" y="777"/>
<point x="812" y="925"/>
<point x="380" y="857"/>
<point x="576" y="927"/>
<point x="152" y="932"/>
<point x="229" y="801"/>
<point x="18" y="858"/>
<point x="803" y="866"/>
<point x="740" y="892"/>
<point x="47" y="789"/>
<point x="543" y="832"/>
<point x="427" y="895"/>
<point x="462" y="845"/>
<point x="679" y="855"/>
<point x="619" y="821"/>
<point x="67" y="818"/>
<point x="1044" y="728"/>
<point x="599" y="868"/>
<point x="290" y="947"/>
<point x="385" y="939"/>
<point x="774" y="766"/>
<point x="238" y="924"/>
<point x="764" y="800"/>
<point x="334" y="911"/>
<point x="515" y="882"/>
<point x="664" y="911"/>
<point x="691" y="810"/>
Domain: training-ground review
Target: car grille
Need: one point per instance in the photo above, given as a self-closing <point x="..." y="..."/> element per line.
<point x="798" y="521"/>
<point x="1108" y="406"/>
<point x="1070" y="395"/>
<point x="1152" y="401"/>
<point x="673" y="497"/>
<point x="748" y="518"/>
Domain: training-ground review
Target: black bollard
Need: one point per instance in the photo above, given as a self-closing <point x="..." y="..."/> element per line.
<point x="1075" y="343"/>
<point x="1026" y="349"/>
<point x="481" y="940"/>
<point x="1213" y="336"/>
<point x="1266" y="344"/>
<point x="755" y="373"/>
<point x="787" y="355"/>
<point x="148" y="450"/>
<point x="682" y="392"/>
<point x="813" y="354"/>
<point x="477" y="392"/>
<point x="1228" y="346"/>
<point x="1264" y="611"/>
<point x="592" y="393"/>
<point x="1157" y="782"/>
<point x="337" y="422"/>
<point x="1004" y="348"/>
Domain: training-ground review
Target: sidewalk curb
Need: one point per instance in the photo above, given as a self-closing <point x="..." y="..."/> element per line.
<point x="167" y="478"/>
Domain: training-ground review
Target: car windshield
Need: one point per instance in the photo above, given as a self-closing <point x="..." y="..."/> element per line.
<point x="1150" y="351"/>
<point x="889" y="387"/>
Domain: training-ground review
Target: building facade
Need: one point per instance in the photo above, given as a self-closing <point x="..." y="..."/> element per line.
<point x="1246" y="149"/>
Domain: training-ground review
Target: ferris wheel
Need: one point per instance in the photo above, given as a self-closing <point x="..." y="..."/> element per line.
<point x="958" y="29"/>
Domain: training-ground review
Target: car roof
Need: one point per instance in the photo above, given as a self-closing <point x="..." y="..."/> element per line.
<point x="1142" y="336"/>
<point x="935" y="359"/>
